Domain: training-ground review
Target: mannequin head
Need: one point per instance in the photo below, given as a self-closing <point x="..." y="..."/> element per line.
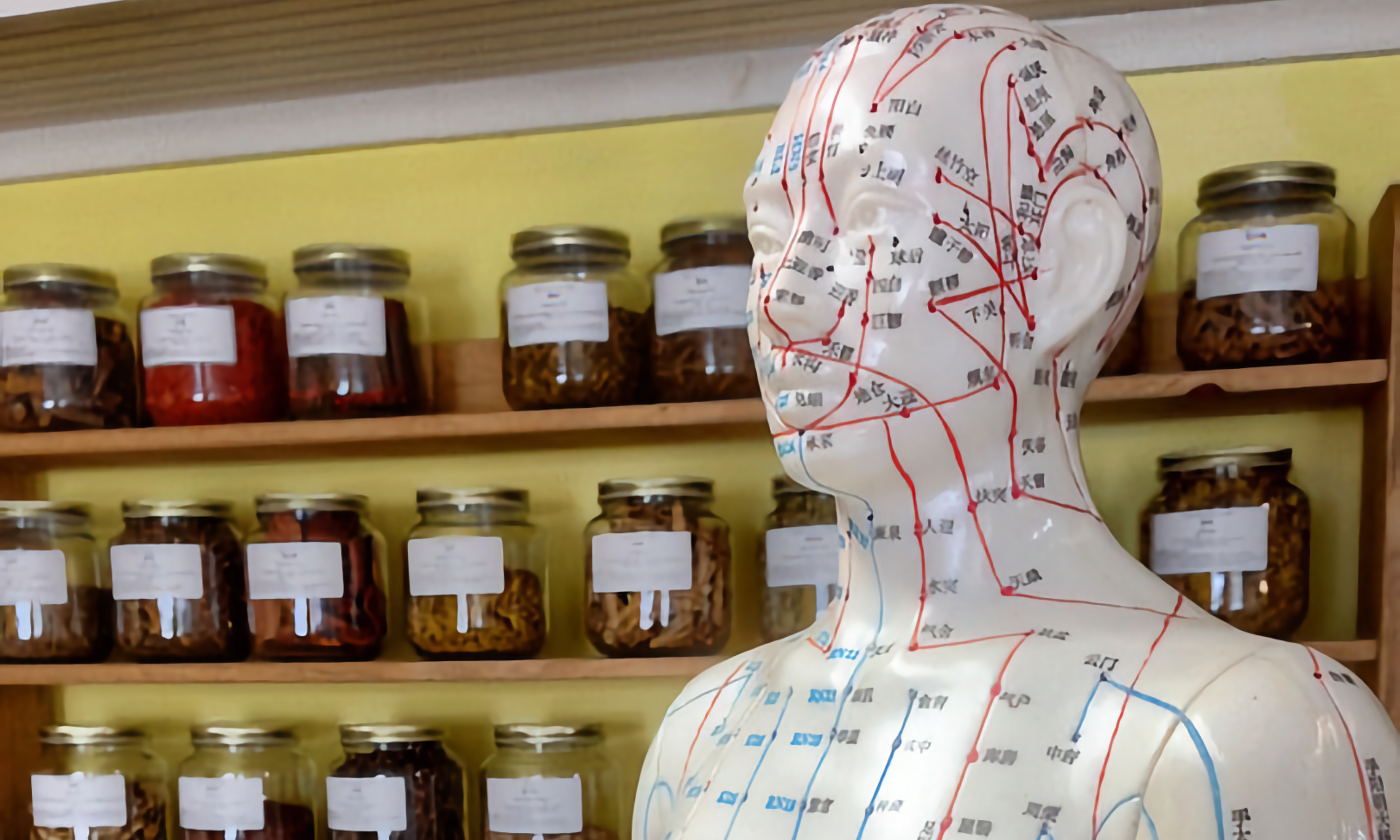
<point x="955" y="211"/>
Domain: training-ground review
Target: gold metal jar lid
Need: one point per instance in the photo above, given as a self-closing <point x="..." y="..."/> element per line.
<point x="240" y="734"/>
<point x="531" y="736"/>
<point x="78" y="276"/>
<point x="81" y="736"/>
<point x="283" y="502"/>
<point x="233" y="265"/>
<point x="1302" y="173"/>
<point x="44" y="510"/>
<point x="537" y="240"/>
<point x="353" y="734"/>
<point x="375" y="257"/>
<point x="685" y="485"/>
<point x="440" y="497"/>
<point x="154" y="508"/>
<point x="1209" y="459"/>
<point x="701" y="225"/>
<point x="785" y="484"/>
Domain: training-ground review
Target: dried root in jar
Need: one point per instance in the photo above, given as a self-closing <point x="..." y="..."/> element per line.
<point x="590" y="832"/>
<point x="146" y="821"/>
<point x="578" y="374"/>
<point x="701" y="365"/>
<point x="56" y="398"/>
<point x="1267" y="328"/>
<point x="510" y="625"/>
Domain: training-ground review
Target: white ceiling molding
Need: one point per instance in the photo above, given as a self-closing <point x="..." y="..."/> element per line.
<point x="1271" y="30"/>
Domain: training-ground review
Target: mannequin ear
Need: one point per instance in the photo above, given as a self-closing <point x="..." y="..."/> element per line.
<point x="1083" y="246"/>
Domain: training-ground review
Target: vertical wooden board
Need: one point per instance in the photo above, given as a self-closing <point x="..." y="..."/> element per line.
<point x="468" y="376"/>
<point x="1378" y="612"/>
<point x="23" y="709"/>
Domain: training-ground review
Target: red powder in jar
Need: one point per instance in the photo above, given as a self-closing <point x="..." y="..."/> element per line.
<point x="252" y="391"/>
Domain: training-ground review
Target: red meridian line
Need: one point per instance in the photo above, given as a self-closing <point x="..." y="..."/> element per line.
<point x="841" y="616"/>
<point x="701" y="728"/>
<point x="982" y="202"/>
<point x="973" y="641"/>
<point x="973" y="240"/>
<point x="1024" y="303"/>
<point x="979" y="344"/>
<point x="1059" y="504"/>
<point x="986" y="149"/>
<point x="1080" y="123"/>
<point x="1030" y="137"/>
<point x="889" y="416"/>
<point x="787" y="152"/>
<point x="826" y="134"/>
<point x="918" y="30"/>
<point x="1095" y="604"/>
<point x="918" y="532"/>
<point x="811" y="115"/>
<point x="801" y="352"/>
<point x="864" y="325"/>
<point x="972" y="506"/>
<point x="996" y="689"/>
<point x="881" y="97"/>
<point x="1094" y="827"/>
<point x="958" y="298"/>
<point x="1360" y="776"/>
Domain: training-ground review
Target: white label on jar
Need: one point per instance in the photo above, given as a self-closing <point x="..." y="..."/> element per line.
<point x="147" y="572"/>
<point x="33" y="577"/>
<point x="48" y="337"/>
<point x="295" y="570"/>
<point x="456" y="566"/>
<point x="227" y="803"/>
<point x="716" y="297"/>
<point x="188" y="335"/>
<point x="552" y="313"/>
<point x="803" y="556"/>
<point x="641" y="561"/>
<point x="348" y="324"/>
<point x="1218" y="540"/>
<point x="535" y="805"/>
<point x="79" y="801"/>
<point x="375" y="804"/>
<point x="1266" y="259"/>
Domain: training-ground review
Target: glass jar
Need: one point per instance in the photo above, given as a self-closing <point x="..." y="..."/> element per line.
<point x="55" y="599"/>
<point x="573" y="320"/>
<point x="1126" y="357"/>
<point x="656" y="569"/>
<point x="352" y="328"/>
<point x="1267" y="272"/>
<point x="699" y="338"/>
<point x="799" y="553"/>
<point x="177" y="579"/>
<point x="97" y="783"/>
<point x="1230" y="533"/>
<point x="246" y="783"/>
<point x="549" y="782"/>
<point x="474" y="576"/>
<point x="67" y="359"/>
<point x="315" y="579"/>
<point x="396" y="783"/>
<point x="212" y="344"/>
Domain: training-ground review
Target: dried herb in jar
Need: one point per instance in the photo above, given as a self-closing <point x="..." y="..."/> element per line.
<point x="281" y="821"/>
<point x="342" y="385"/>
<point x="789" y="609"/>
<point x="590" y="832"/>
<point x="578" y="374"/>
<point x="1126" y="358"/>
<point x="1267" y="328"/>
<point x="352" y="627"/>
<point x="687" y="367"/>
<point x="71" y="632"/>
<point x="435" y="783"/>
<point x="146" y="807"/>
<point x="57" y="398"/>
<point x="510" y="625"/>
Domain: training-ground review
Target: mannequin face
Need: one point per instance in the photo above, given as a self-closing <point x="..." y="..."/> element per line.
<point x="933" y="223"/>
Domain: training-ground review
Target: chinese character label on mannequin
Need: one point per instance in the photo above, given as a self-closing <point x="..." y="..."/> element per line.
<point x="953" y="218"/>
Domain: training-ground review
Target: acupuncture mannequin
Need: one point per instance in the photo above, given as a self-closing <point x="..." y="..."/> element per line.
<point x="953" y="218"/>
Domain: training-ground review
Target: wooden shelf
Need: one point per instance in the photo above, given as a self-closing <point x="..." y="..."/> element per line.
<point x="1360" y="650"/>
<point x="582" y="426"/>
<point x="529" y="670"/>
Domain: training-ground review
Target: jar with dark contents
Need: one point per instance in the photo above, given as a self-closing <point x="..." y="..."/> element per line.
<point x="352" y="328"/>
<point x="1127" y="356"/>
<point x="573" y="320"/>
<point x="396" y="783"/>
<point x="97" y="783"/>
<point x="55" y="596"/>
<point x="699" y="338"/>
<point x="549" y="782"/>
<point x="67" y="356"/>
<point x="799" y="552"/>
<point x="212" y="345"/>
<point x="657" y="569"/>
<point x="1231" y="533"/>
<point x="1267" y="270"/>
<point x="475" y="576"/>
<point x="177" y="580"/>
<point x="315" y="579"/>
<point x="246" y="782"/>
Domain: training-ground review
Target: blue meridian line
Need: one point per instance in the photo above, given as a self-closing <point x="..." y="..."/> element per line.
<point x="772" y="739"/>
<point x="1137" y="797"/>
<point x="1085" y="714"/>
<point x="1195" y="739"/>
<point x="1151" y="826"/>
<point x="894" y="748"/>
<point x="846" y="693"/>
<point x="1045" y="831"/>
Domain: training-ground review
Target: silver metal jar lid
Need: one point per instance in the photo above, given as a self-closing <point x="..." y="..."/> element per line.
<point x="232" y="265"/>
<point x="77" y="276"/>
<point x="375" y="257"/>
<point x="240" y="734"/>
<point x="685" y="485"/>
<point x="1208" y="459"/>
<point x="44" y="510"/>
<point x="80" y="736"/>
<point x="387" y="733"/>
<point x="532" y="736"/>
<point x="536" y="240"/>
<point x="1303" y="173"/>
<point x="282" y="502"/>
<point x="154" y="508"/>
<point x="439" y="497"/>
<point x="701" y="225"/>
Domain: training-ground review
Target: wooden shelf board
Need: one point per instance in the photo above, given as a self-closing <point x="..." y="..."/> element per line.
<point x="1360" y="650"/>
<point x="119" y="673"/>
<point x="573" y="427"/>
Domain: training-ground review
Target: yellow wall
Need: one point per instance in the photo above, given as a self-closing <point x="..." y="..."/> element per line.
<point x="453" y="205"/>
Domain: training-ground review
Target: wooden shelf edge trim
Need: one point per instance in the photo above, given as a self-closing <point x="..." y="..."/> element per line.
<point x="114" y="673"/>
<point x="1360" y="650"/>
<point x="1144" y="386"/>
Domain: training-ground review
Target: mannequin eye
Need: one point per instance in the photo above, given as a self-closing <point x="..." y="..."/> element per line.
<point x="866" y="214"/>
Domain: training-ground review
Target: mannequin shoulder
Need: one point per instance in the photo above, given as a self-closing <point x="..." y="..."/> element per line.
<point x="1284" y="743"/>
